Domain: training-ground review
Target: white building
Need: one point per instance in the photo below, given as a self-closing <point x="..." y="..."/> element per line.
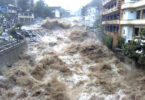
<point x="90" y="17"/>
<point x="25" y="17"/>
<point x="133" y="18"/>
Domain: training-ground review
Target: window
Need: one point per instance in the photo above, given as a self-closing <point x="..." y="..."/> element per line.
<point x="136" y="30"/>
<point x="138" y="15"/>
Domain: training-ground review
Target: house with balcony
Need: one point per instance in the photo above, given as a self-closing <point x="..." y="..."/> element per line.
<point x="111" y="19"/>
<point x="123" y="18"/>
<point x="133" y="18"/>
<point x="25" y="17"/>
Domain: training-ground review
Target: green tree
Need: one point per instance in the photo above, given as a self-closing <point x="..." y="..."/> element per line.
<point x="142" y="33"/>
<point x="83" y="10"/>
<point x="24" y="4"/>
<point x="108" y="41"/>
<point x="121" y="42"/>
<point x="96" y="3"/>
<point x="42" y="10"/>
<point x="18" y="25"/>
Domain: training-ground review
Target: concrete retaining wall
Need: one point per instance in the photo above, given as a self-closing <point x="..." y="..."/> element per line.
<point x="11" y="55"/>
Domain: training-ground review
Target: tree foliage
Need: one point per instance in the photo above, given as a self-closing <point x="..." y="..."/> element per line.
<point x="121" y="42"/>
<point x="142" y="32"/>
<point x="108" y="41"/>
<point x="135" y="50"/>
<point x="18" y="25"/>
<point x="41" y="9"/>
<point x="24" y="4"/>
<point x="96" y="3"/>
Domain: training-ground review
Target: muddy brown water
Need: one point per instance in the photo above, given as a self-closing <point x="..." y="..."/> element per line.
<point x="67" y="65"/>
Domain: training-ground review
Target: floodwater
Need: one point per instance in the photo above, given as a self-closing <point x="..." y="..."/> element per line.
<point x="71" y="64"/>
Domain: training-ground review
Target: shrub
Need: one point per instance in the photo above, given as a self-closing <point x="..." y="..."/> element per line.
<point x="121" y="42"/>
<point x="13" y="33"/>
<point x="1" y="31"/>
<point x="142" y="32"/>
<point x="18" y="25"/>
<point x="108" y="41"/>
<point x="130" y="50"/>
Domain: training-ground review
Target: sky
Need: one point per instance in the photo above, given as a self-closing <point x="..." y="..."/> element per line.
<point x="72" y="5"/>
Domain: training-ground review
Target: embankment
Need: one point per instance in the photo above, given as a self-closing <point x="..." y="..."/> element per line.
<point x="10" y="55"/>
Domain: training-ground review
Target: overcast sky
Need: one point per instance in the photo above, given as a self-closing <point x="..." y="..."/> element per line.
<point x="72" y="5"/>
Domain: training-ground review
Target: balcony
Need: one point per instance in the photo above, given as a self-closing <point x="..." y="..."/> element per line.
<point x="26" y="16"/>
<point x="133" y="22"/>
<point x="132" y="5"/>
<point x="105" y="2"/>
<point x="111" y="22"/>
<point x="110" y="10"/>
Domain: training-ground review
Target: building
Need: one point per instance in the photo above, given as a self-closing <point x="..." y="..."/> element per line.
<point x="111" y="19"/>
<point x="123" y="18"/>
<point x="25" y="17"/>
<point x="133" y="18"/>
<point x="90" y="16"/>
<point x="56" y="12"/>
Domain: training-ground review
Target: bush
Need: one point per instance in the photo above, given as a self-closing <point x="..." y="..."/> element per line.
<point x="18" y="25"/>
<point x="1" y="31"/>
<point x="121" y="42"/>
<point x="130" y="50"/>
<point x="108" y="41"/>
<point x="13" y="32"/>
<point x="142" y="32"/>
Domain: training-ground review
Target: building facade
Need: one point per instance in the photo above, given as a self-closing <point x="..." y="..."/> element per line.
<point x="90" y="16"/>
<point x="111" y="19"/>
<point x="133" y="18"/>
<point x="123" y="18"/>
<point x="25" y="17"/>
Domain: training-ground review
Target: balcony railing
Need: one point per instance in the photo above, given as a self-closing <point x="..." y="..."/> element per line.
<point x="105" y="2"/>
<point x="110" y="10"/>
<point x="26" y="16"/>
<point x="133" y="22"/>
<point x="111" y="22"/>
<point x="136" y="4"/>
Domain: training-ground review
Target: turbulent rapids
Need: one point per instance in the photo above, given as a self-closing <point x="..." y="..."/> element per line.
<point x="69" y="63"/>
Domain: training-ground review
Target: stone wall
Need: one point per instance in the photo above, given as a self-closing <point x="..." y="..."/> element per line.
<point x="11" y="55"/>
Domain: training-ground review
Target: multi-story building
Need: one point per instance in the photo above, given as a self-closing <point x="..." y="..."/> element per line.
<point x="90" y="16"/>
<point x="123" y="18"/>
<point x="25" y="17"/>
<point x="111" y="18"/>
<point x="133" y="18"/>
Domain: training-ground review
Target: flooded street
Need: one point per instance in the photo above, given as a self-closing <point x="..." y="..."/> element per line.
<point x="70" y="63"/>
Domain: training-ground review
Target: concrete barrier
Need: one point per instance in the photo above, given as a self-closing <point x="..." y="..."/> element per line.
<point x="11" y="54"/>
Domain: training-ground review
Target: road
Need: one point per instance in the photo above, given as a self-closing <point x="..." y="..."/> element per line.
<point x="70" y="63"/>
